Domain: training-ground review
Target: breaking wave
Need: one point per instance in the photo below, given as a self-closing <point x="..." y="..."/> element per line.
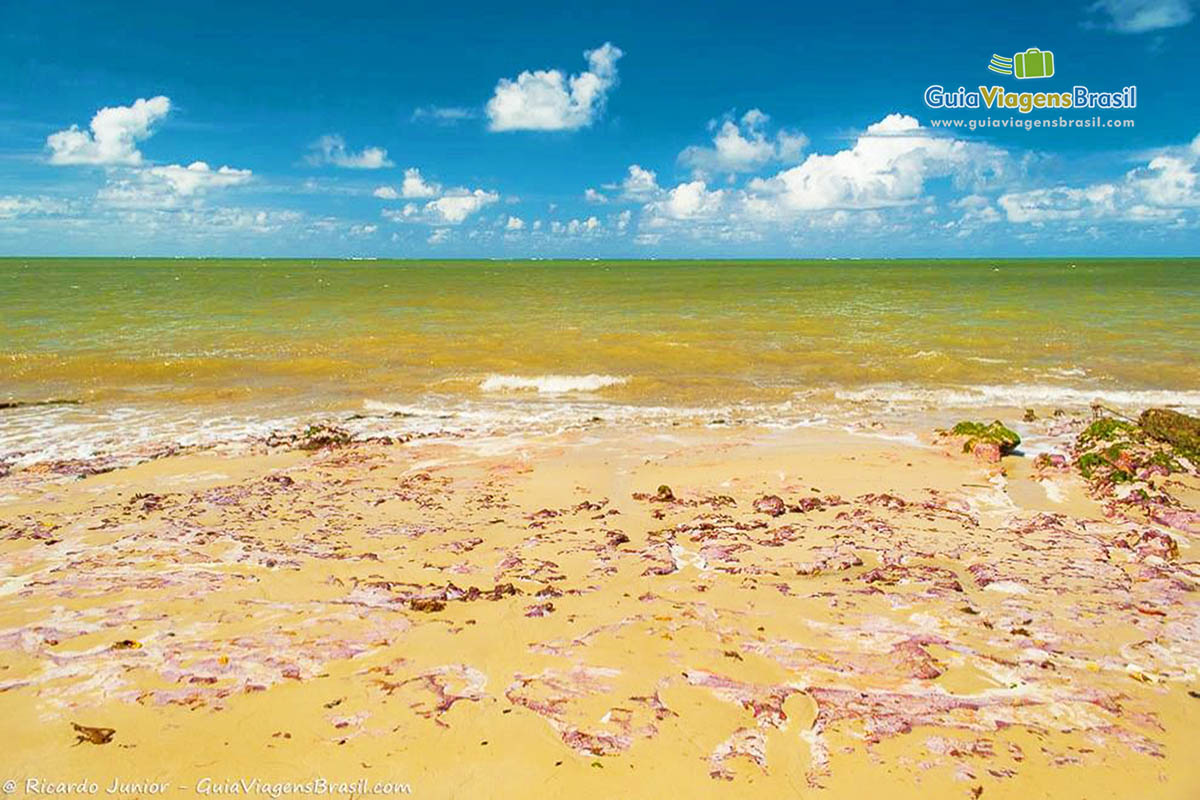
<point x="549" y="384"/>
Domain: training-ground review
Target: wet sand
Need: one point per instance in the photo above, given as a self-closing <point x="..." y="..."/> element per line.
<point x="507" y="617"/>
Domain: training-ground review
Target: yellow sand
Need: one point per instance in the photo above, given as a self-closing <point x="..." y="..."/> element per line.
<point x="271" y="635"/>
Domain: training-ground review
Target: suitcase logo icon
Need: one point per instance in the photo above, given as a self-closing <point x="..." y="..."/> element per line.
<point x="1033" y="63"/>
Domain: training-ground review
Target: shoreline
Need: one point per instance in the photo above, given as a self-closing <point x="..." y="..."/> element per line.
<point x="488" y="615"/>
<point x="41" y="431"/>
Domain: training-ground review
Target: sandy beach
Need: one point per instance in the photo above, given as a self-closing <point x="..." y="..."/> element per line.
<point x="712" y="610"/>
<point x="599" y="400"/>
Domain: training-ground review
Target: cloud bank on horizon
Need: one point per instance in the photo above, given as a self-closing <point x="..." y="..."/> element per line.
<point x="598" y="162"/>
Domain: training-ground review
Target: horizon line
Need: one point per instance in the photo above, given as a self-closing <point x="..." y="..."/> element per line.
<point x="591" y="259"/>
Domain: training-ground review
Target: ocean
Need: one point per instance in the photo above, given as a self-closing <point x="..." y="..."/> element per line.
<point x="196" y="350"/>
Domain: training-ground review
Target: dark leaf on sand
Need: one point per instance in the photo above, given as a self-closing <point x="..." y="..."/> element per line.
<point x="85" y="733"/>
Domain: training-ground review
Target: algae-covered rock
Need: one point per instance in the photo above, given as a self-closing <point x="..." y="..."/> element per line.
<point x="1180" y="430"/>
<point x="987" y="441"/>
<point x="317" y="437"/>
<point x="1112" y="451"/>
<point x="1105" y="450"/>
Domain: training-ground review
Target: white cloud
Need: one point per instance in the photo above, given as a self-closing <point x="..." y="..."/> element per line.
<point x="331" y="149"/>
<point x="743" y="146"/>
<point x="439" y="236"/>
<point x="362" y="230"/>
<point x="584" y="226"/>
<point x="454" y="208"/>
<point x="890" y="166"/>
<point x="577" y="227"/>
<point x="593" y="196"/>
<point x="414" y="185"/>
<point x="406" y="214"/>
<point x="639" y="184"/>
<point x="16" y="206"/>
<point x="167" y="186"/>
<point x="196" y="177"/>
<point x="1059" y="203"/>
<point x="887" y="166"/>
<point x="1141" y="16"/>
<point x="689" y="201"/>
<point x="514" y="224"/>
<point x="202" y="223"/>
<point x="976" y="209"/>
<point x="115" y="132"/>
<point x="1163" y="189"/>
<point x="547" y="100"/>
<point x="445" y="207"/>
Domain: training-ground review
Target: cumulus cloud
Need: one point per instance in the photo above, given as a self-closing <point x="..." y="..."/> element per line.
<point x="639" y="184"/>
<point x="887" y="166"/>
<point x="414" y="187"/>
<point x="688" y="201"/>
<point x="451" y="208"/>
<point x="549" y="100"/>
<point x="976" y="209"/>
<point x="331" y="149"/>
<point x="576" y="227"/>
<point x="444" y="206"/>
<point x="113" y="135"/>
<point x="743" y="146"/>
<point x="196" y="177"/>
<point x="166" y="186"/>
<point x="1142" y="16"/>
<point x="1164" y="188"/>
<point x="514" y="224"/>
<point x="454" y="208"/>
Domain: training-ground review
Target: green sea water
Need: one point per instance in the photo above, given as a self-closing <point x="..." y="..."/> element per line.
<point x="234" y="336"/>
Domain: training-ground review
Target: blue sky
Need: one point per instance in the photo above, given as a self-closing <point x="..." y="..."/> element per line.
<point x="550" y="130"/>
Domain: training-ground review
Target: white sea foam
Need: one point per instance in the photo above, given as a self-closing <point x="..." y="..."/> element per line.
<point x="519" y="405"/>
<point x="549" y="384"/>
<point x="1019" y="395"/>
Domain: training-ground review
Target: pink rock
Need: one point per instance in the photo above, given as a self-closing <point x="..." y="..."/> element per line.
<point x="770" y="504"/>
<point x="987" y="451"/>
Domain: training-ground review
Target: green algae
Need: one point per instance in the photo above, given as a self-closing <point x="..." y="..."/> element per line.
<point x="1179" y="430"/>
<point x="1111" y="450"/>
<point x="979" y="433"/>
